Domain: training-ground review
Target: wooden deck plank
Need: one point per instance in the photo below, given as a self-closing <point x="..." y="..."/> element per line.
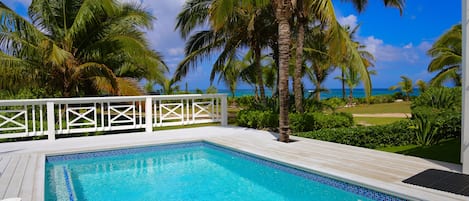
<point x="39" y="179"/>
<point x="16" y="181"/>
<point x="358" y="165"/>
<point x="4" y="163"/>
<point x="27" y="188"/>
<point x="7" y="175"/>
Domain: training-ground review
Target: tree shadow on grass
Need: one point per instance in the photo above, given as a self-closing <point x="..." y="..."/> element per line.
<point x="447" y="151"/>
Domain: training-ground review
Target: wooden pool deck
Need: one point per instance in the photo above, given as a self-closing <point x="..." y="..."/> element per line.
<point x="22" y="163"/>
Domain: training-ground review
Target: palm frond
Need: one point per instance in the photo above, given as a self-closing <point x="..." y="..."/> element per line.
<point x="446" y="75"/>
<point x="193" y="14"/>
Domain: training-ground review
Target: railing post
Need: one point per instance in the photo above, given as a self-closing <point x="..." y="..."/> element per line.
<point x="224" y="110"/>
<point x="148" y="115"/>
<point x="50" y="121"/>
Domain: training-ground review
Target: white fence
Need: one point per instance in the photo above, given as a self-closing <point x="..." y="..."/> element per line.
<point x="26" y="118"/>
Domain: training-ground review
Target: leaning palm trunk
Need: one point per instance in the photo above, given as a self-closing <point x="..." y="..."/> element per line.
<point x="283" y="14"/>
<point x="298" y="69"/>
<point x="260" y="80"/>
<point x="343" y="84"/>
<point x="351" y="96"/>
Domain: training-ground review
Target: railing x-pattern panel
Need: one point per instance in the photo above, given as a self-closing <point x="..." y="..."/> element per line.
<point x="26" y="118"/>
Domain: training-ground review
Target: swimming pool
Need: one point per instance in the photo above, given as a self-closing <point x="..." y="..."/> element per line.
<point x="188" y="171"/>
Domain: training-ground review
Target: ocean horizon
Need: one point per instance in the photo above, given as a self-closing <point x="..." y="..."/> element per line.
<point x="357" y="93"/>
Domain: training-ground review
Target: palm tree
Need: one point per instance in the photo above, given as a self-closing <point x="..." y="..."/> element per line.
<point x="233" y="26"/>
<point x="421" y="85"/>
<point x="92" y="48"/>
<point x="324" y="9"/>
<point x="318" y="61"/>
<point x="406" y="86"/>
<point x="283" y="14"/>
<point x="352" y="77"/>
<point x="447" y="57"/>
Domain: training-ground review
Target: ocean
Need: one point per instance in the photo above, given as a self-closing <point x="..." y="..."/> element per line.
<point x="357" y="93"/>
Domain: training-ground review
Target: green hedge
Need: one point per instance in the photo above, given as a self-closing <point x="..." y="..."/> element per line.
<point x="298" y="122"/>
<point x="376" y="99"/>
<point x="257" y="119"/>
<point x="395" y="134"/>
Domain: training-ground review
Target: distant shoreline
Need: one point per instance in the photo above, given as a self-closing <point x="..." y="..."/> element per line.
<point x="357" y="93"/>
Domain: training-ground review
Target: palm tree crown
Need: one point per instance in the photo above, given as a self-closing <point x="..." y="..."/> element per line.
<point x="80" y="47"/>
<point x="447" y="57"/>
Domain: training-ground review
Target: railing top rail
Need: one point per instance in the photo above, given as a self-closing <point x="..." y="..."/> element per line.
<point x="106" y="99"/>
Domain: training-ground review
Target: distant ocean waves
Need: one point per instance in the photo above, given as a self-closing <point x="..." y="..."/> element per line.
<point x="357" y="93"/>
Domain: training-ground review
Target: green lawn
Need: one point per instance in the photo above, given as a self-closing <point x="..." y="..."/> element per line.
<point x="184" y="126"/>
<point x="376" y="120"/>
<point x="399" y="107"/>
<point x="448" y="151"/>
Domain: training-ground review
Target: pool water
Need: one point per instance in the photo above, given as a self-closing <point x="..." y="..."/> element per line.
<point x="190" y="171"/>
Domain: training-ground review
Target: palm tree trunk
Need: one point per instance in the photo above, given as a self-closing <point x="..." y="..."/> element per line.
<point x="351" y="96"/>
<point x="260" y="79"/>
<point x="283" y="15"/>
<point x="343" y="83"/>
<point x="317" y="94"/>
<point x="298" y="69"/>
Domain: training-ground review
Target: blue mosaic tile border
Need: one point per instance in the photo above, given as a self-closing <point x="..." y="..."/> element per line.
<point x="119" y="152"/>
<point x="352" y="188"/>
<point x="67" y="184"/>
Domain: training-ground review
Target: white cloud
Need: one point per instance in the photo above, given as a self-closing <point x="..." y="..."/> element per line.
<point x="424" y="46"/>
<point x="176" y="51"/>
<point x="350" y="20"/>
<point x="383" y="52"/>
<point x="409" y="46"/>
<point x="372" y="44"/>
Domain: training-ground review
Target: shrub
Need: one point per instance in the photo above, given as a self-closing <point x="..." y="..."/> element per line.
<point x="442" y="108"/>
<point x="298" y="122"/>
<point x="376" y="99"/>
<point x="257" y="119"/>
<point x="316" y="121"/>
<point x="334" y="102"/>
<point x="426" y="131"/>
<point x="395" y="134"/>
<point x="440" y="98"/>
<point x="312" y="105"/>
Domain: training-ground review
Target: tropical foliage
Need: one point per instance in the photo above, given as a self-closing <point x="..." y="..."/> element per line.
<point x="446" y="53"/>
<point x="405" y="85"/>
<point x="262" y="25"/>
<point x="78" y="48"/>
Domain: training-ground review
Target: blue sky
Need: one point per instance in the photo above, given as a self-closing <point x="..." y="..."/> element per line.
<point x="399" y="43"/>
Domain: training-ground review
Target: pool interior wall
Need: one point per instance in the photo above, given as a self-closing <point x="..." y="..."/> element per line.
<point x="77" y="157"/>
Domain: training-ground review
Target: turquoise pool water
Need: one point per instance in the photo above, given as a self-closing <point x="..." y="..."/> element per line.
<point x="190" y="171"/>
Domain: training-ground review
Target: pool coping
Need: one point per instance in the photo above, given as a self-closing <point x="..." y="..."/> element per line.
<point x="224" y="137"/>
<point x="349" y="187"/>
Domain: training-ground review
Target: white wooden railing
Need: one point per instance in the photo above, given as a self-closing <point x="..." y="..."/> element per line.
<point x="26" y="118"/>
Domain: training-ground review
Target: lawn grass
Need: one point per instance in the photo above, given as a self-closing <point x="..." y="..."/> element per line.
<point x="184" y="126"/>
<point x="447" y="150"/>
<point x="398" y="107"/>
<point x="376" y="120"/>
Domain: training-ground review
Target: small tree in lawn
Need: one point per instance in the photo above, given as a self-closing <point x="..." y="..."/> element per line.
<point x="406" y="86"/>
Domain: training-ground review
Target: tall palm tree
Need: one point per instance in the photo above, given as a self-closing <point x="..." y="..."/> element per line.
<point x="283" y="14"/>
<point x="324" y="9"/>
<point x="406" y="86"/>
<point x="447" y="57"/>
<point x="310" y="10"/>
<point x="80" y="47"/>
